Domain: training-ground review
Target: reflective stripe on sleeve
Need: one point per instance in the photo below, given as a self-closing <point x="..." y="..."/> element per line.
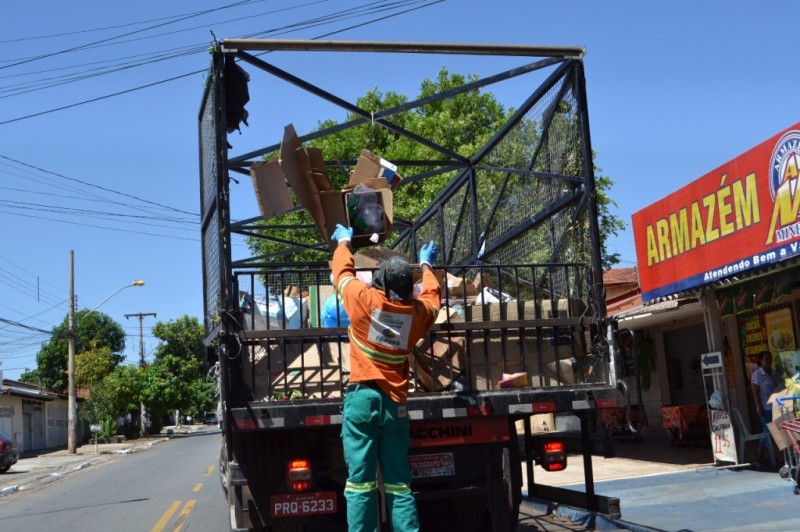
<point x="343" y="282"/>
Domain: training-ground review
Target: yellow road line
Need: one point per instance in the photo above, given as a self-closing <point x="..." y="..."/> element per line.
<point x="159" y="526"/>
<point x="184" y="514"/>
<point x="197" y="487"/>
<point x="210" y="469"/>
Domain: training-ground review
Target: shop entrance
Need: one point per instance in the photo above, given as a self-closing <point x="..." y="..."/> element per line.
<point x="683" y="348"/>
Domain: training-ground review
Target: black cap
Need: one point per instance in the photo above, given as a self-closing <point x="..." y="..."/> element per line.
<point x="394" y="277"/>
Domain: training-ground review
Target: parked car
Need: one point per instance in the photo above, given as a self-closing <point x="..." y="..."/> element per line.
<point x="9" y="452"/>
<point x="210" y="419"/>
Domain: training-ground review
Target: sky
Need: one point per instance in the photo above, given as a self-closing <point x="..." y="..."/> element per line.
<point x="99" y="104"/>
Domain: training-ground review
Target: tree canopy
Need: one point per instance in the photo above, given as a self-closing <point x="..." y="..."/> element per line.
<point x="176" y="380"/>
<point x="93" y="331"/>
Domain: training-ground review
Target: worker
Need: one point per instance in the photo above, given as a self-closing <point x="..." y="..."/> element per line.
<point x="385" y="324"/>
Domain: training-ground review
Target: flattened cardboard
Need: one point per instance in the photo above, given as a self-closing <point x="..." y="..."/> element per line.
<point x="370" y="165"/>
<point x="373" y="257"/>
<point x="297" y="167"/>
<point x="306" y="174"/>
<point x="317" y="371"/>
<point x="272" y="193"/>
<point x="319" y="173"/>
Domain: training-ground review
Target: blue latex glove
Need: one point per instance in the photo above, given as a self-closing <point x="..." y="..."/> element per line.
<point x="428" y="253"/>
<point x="342" y="234"/>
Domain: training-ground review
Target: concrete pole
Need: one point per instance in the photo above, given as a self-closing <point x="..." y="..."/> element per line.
<point x="141" y="317"/>
<point x="72" y="412"/>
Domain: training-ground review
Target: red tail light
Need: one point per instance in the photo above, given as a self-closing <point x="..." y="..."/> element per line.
<point x="298" y="474"/>
<point x="554" y="456"/>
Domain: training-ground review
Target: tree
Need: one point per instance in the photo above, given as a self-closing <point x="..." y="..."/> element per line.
<point x="462" y="124"/>
<point x="92" y="366"/>
<point x="176" y="380"/>
<point x="93" y="330"/>
<point x="114" y="396"/>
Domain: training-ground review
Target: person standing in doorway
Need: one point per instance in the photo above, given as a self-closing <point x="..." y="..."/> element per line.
<point x="385" y="324"/>
<point x="763" y="384"/>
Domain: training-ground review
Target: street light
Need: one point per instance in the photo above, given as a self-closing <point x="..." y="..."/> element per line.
<point x="72" y="412"/>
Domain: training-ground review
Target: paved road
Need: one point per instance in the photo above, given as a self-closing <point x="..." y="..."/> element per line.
<point x="660" y="489"/>
<point x="166" y="486"/>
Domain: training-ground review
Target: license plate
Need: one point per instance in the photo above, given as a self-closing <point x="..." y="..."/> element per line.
<point x="321" y="502"/>
<point x="432" y="465"/>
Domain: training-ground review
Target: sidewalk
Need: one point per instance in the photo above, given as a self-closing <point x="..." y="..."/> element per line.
<point x="38" y="467"/>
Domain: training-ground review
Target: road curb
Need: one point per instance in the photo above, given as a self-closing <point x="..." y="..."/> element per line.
<point x="8" y="490"/>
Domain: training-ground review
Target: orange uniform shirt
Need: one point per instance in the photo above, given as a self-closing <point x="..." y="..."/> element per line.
<point x="383" y="332"/>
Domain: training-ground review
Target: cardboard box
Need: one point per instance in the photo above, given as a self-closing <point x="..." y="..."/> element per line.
<point x="384" y="197"/>
<point x="306" y="173"/>
<point x="460" y="287"/>
<point x="303" y="169"/>
<point x="283" y="370"/>
<point x="373" y="257"/>
<point x="307" y="179"/>
<point x="513" y="311"/>
<point x="371" y="166"/>
<point x="544" y="363"/>
<point x="565" y="308"/>
<point x="272" y="194"/>
<point x="432" y="374"/>
<point x="778" y="436"/>
<point x="539" y="423"/>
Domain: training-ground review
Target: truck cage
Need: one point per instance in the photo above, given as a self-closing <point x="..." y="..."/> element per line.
<point x="517" y="220"/>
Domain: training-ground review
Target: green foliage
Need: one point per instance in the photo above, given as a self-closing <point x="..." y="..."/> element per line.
<point x="176" y="380"/>
<point x="610" y="224"/>
<point x="93" y="330"/>
<point x="93" y="366"/>
<point x="31" y="377"/>
<point x="113" y="397"/>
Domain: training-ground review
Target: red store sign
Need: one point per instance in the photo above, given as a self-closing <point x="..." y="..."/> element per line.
<point x="739" y="216"/>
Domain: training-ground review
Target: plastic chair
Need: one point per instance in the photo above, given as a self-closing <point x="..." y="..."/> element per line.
<point x="746" y="436"/>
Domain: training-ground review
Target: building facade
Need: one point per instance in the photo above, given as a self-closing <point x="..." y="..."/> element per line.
<point x="36" y="418"/>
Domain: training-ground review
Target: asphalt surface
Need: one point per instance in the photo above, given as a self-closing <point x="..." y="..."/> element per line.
<point x="660" y="488"/>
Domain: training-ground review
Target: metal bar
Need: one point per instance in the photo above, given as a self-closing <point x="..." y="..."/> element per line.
<point x="477" y="84"/>
<point x="544" y="214"/>
<point x="521" y="112"/>
<point x="289" y="45"/>
<point x="313" y="89"/>
<point x="586" y="146"/>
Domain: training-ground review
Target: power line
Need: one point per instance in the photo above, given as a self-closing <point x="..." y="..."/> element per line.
<point x="326" y="19"/>
<point x="92" y="30"/>
<point x="104" y="189"/>
<point x="82" y="46"/>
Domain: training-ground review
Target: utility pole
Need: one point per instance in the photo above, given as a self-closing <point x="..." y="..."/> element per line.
<point x="72" y="400"/>
<point x="141" y="316"/>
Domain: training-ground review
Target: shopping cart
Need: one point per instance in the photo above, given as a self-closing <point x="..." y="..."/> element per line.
<point x="790" y="425"/>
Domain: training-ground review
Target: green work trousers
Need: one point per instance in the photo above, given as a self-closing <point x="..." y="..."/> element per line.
<point x="375" y="430"/>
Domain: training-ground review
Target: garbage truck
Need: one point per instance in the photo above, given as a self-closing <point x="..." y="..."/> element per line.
<point x="511" y="374"/>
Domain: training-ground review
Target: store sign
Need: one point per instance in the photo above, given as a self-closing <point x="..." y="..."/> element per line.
<point x="722" y="438"/>
<point x="738" y="217"/>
